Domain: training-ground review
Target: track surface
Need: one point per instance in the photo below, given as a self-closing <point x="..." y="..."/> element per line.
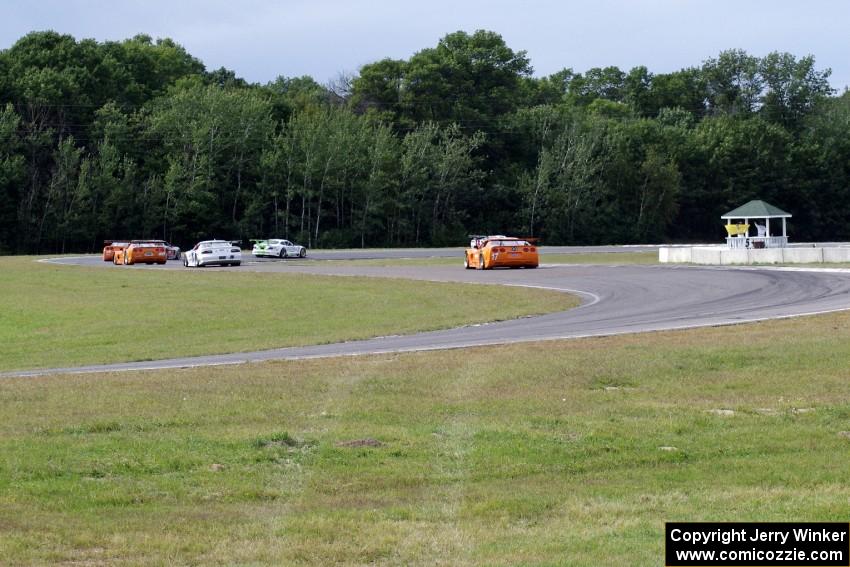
<point x="617" y="299"/>
<point x="378" y="254"/>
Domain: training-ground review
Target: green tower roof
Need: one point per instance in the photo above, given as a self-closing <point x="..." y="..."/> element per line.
<point x="756" y="209"/>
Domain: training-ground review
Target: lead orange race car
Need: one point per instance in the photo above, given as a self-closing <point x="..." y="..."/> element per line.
<point x="144" y="253"/>
<point x="500" y="251"/>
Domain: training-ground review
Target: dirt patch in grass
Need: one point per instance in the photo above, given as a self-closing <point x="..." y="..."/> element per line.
<point x="722" y="412"/>
<point x="367" y="442"/>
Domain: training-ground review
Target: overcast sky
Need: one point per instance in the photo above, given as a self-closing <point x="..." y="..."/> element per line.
<point x="261" y="39"/>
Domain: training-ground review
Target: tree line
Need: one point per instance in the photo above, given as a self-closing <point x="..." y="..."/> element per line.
<point x="136" y="138"/>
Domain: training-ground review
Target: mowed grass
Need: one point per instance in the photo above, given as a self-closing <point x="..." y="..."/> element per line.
<point x="62" y="315"/>
<point x="557" y="453"/>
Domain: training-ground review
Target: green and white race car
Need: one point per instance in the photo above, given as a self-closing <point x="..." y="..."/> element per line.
<point x="278" y="247"/>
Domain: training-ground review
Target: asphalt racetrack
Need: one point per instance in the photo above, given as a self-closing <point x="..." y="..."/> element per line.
<point x="616" y="299"/>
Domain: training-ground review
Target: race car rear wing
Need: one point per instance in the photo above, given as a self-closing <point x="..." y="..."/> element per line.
<point x="535" y="240"/>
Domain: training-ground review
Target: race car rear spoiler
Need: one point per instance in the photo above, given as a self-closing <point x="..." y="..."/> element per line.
<point x="530" y="239"/>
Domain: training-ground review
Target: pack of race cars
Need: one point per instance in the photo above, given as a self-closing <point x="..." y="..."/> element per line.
<point x="128" y="252"/>
<point x="205" y="253"/>
<point x="484" y="252"/>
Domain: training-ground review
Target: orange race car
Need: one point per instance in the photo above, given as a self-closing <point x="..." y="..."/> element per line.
<point x="118" y="249"/>
<point x="144" y="253"/>
<point x="171" y="252"/>
<point x="110" y="247"/>
<point x="499" y="251"/>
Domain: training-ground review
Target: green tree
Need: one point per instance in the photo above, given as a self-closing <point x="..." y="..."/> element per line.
<point x="469" y="79"/>
<point x="821" y="166"/>
<point x="153" y="66"/>
<point x="685" y="89"/>
<point x="793" y="88"/>
<point x="296" y="94"/>
<point x="565" y="177"/>
<point x="379" y="89"/>
<point x="607" y="83"/>
<point x="66" y="198"/>
<point x="379" y="185"/>
<point x="436" y="163"/>
<point x="12" y="171"/>
<point x="213" y="139"/>
<point x="727" y="161"/>
<point x="733" y="81"/>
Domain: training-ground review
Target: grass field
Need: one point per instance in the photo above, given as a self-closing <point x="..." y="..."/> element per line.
<point x="58" y="315"/>
<point x="559" y="453"/>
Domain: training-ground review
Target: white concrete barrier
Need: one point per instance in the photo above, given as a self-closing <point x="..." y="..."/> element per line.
<point x="765" y="256"/>
<point x="723" y="256"/>
<point x="675" y="255"/>
<point x="733" y="256"/>
<point x="705" y="255"/>
<point x="802" y="255"/>
<point x="841" y="254"/>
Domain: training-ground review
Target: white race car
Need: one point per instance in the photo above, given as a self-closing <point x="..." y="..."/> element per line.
<point x="211" y="252"/>
<point x="278" y="247"/>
